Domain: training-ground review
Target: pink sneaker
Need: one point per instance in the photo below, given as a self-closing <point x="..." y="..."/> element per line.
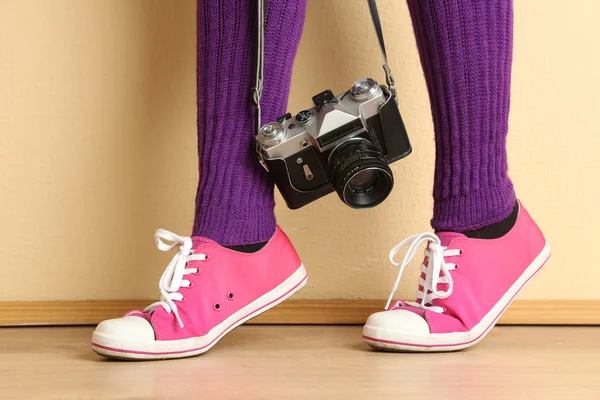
<point x="206" y="291"/>
<point x="465" y="286"/>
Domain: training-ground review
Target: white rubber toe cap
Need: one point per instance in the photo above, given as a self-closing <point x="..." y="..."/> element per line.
<point x="129" y="328"/>
<point x="399" y="321"/>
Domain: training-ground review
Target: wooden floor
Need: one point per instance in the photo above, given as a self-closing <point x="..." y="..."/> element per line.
<point x="306" y="362"/>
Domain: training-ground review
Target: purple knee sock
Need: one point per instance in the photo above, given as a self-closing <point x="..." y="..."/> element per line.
<point x="466" y="53"/>
<point x="234" y="202"/>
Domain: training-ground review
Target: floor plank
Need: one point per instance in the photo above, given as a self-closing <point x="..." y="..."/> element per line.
<point x="306" y="362"/>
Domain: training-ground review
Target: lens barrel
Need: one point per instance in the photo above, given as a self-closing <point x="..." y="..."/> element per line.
<point x="360" y="174"/>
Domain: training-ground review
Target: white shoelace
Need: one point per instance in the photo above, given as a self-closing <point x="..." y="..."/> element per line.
<point x="436" y="266"/>
<point x="172" y="279"/>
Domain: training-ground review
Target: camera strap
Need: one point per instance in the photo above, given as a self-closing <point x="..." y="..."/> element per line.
<point x="257" y="89"/>
<point x="389" y="78"/>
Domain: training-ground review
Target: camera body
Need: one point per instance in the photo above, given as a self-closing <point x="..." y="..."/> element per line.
<point x="343" y="144"/>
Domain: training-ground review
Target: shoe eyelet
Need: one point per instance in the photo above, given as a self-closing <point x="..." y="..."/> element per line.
<point x="217" y="306"/>
<point x="456" y="266"/>
<point x="182" y="299"/>
<point x="230" y="296"/>
<point x="460" y="251"/>
<point x="190" y="285"/>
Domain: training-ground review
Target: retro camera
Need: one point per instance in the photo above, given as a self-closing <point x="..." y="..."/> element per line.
<point x="345" y="144"/>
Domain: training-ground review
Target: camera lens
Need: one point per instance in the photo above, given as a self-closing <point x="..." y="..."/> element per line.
<point x="364" y="181"/>
<point x="360" y="173"/>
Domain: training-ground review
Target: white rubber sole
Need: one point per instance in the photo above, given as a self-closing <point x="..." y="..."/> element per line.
<point x="393" y="340"/>
<point x="112" y="347"/>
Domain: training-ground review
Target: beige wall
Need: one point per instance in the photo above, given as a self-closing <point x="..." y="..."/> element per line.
<point x="98" y="146"/>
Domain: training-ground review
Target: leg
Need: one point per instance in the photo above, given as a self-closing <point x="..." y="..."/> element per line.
<point x="487" y="247"/>
<point x="234" y="202"/>
<point x="219" y="279"/>
<point x="466" y="52"/>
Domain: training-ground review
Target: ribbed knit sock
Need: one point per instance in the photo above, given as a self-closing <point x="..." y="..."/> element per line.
<point x="466" y="53"/>
<point x="234" y="202"/>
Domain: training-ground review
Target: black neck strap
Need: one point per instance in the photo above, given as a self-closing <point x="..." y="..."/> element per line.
<point x="389" y="78"/>
<point x="256" y="90"/>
